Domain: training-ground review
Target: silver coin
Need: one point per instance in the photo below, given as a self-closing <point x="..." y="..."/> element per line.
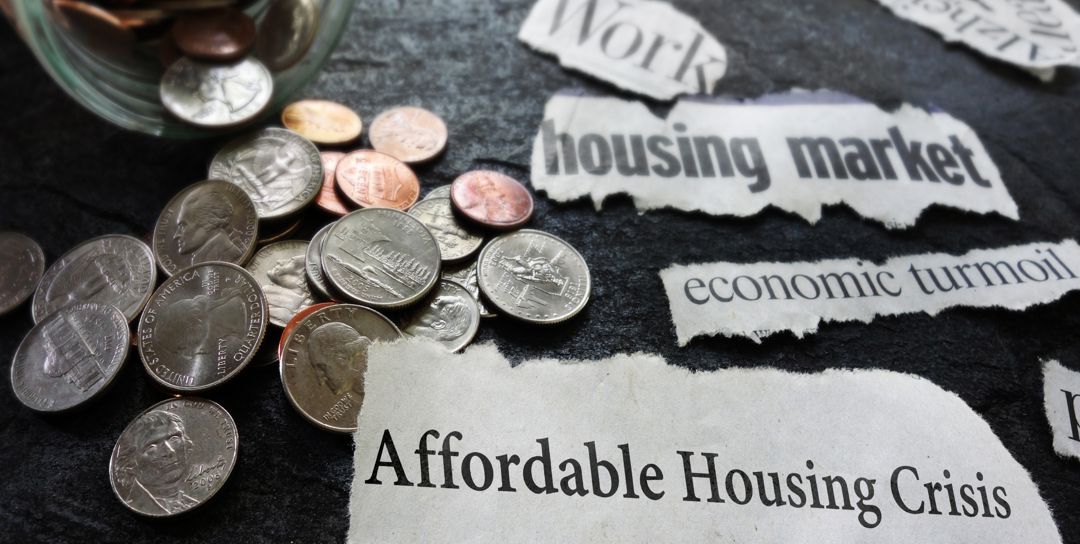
<point x="465" y="276"/>
<point x="324" y="360"/>
<point x="115" y="270"/>
<point x="313" y="265"/>
<point x="381" y="258"/>
<point x="442" y="191"/>
<point x="534" y="276"/>
<point x="279" y="169"/>
<point x="279" y="269"/>
<point x="22" y="264"/>
<point x="70" y="357"/>
<point x="449" y="315"/>
<point x="209" y="221"/>
<point x="456" y="242"/>
<point x="216" y="95"/>
<point x="286" y="32"/>
<point x="202" y="327"/>
<point x="173" y="457"/>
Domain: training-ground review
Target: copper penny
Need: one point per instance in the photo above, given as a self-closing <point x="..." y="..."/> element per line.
<point x="215" y="34"/>
<point x="96" y="27"/>
<point x="328" y="199"/>
<point x="373" y="180"/>
<point x="408" y="134"/>
<point x="494" y="200"/>
<point x="322" y="121"/>
<point x="295" y="321"/>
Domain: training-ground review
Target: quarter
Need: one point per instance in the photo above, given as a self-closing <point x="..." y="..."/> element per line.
<point x="279" y="169"/>
<point x="456" y="241"/>
<point x="216" y="95"/>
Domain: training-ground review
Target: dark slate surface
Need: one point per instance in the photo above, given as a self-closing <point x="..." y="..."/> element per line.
<point x="66" y="177"/>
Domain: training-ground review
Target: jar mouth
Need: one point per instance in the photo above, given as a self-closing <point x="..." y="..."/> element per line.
<point x="127" y="93"/>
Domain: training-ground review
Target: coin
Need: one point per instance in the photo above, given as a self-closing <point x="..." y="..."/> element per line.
<point x="70" y="357"/>
<point x="534" y="276"/>
<point x="408" y="134"/>
<point x="328" y="198"/>
<point x="173" y="457"/>
<point x="279" y="269"/>
<point x="492" y="199"/>
<point x="287" y="330"/>
<point x="373" y="180"/>
<point x="95" y="27"/>
<point x="381" y="258"/>
<point x="449" y="315"/>
<point x="322" y="121"/>
<point x="456" y="242"/>
<point x="211" y="220"/>
<point x="267" y="354"/>
<point x="222" y="34"/>
<point x="442" y="191"/>
<point x="464" y="274"/>
<point x="313" y="265"/>
<point x="216" y="95"/>
<point x="324" y="360"/>
<point x="279" y="169"/>
<point x="115" y="270"/>
<point x="279" y="230"/>
<point x="22" y="264"/>
<point x="202" y="327"/>
<point x="286" y="32"/>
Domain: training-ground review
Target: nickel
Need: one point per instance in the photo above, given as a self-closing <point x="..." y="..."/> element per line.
<point x="211" y="220"/>
<point x="534" y="276"/>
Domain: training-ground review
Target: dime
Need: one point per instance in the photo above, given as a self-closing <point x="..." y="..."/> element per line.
<point x="324" y="360"/>
<point x="285" y="332"/>
<point x="279" y="230"/>
<point x="448" y="315"/>
<point x="373" y="180"/>
<point x="442" y="191"/>
<point x="408" y="134"/>
<point x="456" y="242"/>
<point x="465" y="276"/>
<point x="534" y="276"/>
<point x="279" y="169"/>
<point x="70" y="357"/>
<point x="222" y="34"/>
<point x="115" y="270"/>
<point x="381" y="258"/>
<point x="328" y="198"/>
<point x="313" y="265"/>
<point x="21" y="265"/>
<point x="173" y="457"/>
<point x="286" y="32"/>
<point x="492" y="199"/>
<point x="279" y="269"/>
<point x="322" y="121"/>
<point x="202" y="327"/>
<point x="216" y="95"/>
<point x="211" y="220"/>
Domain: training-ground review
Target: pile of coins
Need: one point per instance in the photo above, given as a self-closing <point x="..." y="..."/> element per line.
<point x="218" y="60"/>
<point x="387" y="265"/>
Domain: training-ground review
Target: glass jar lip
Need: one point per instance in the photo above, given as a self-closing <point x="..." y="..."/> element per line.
<point x="54" y="53"/>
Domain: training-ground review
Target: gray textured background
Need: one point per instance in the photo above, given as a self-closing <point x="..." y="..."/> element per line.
<point x="66" y="177"/>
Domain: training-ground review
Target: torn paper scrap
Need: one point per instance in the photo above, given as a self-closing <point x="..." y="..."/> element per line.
<point x="1038" y="35"/>
<point x="642" y="46"/>
<point x="797" y="151"/>
<point x="755" y="300"/>
<point x="465" y="448"/>
<point x="1061" y="393"/>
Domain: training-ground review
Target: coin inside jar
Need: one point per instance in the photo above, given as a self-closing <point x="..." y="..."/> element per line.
<point x="374" y="180"/>
<point x="494" y="200"/>
<point x="456" y="241"/>
<point x="216" y="95"/>
<point x="286" y="32"/>
<point x="449" y="315"/>
<point x="279" y="269"/>
<point x="115" y="270"/>
<point x="328" y="198"/>
<point x="202" y="327"/>
<point x="324" y="361"/>
<point x="279" y="169"/>
<point x="381" y="258"/>
<point x="173" y="457"/>
<point x="222" y="34"/>
<point x="211" y="220"/>
<point x="409" y="134"/>
<point x="322" y="121"/>
<point x="70" y="357"/>
<point x="534" y="276"/>
<point x="22" y="263"/>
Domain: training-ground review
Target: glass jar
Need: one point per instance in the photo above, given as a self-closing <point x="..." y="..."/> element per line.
<point x="123" y="87"/>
